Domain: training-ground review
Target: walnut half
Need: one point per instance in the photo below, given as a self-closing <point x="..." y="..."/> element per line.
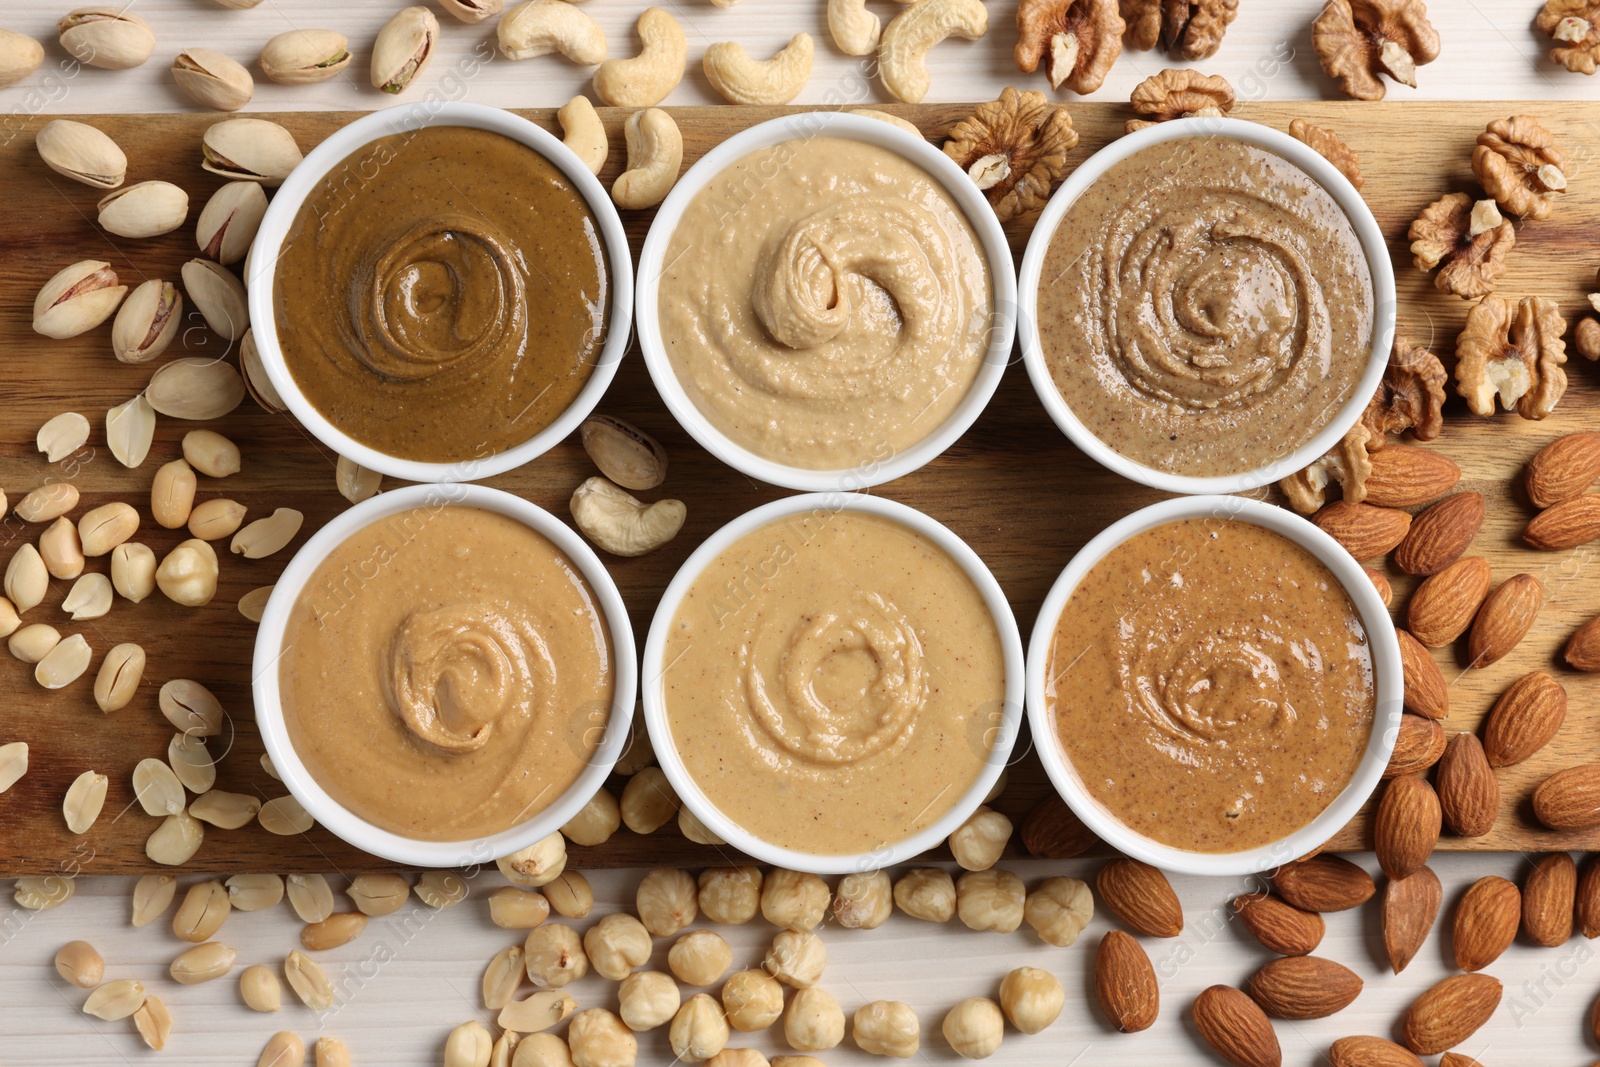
<point x="1411" y="396"/>
<point x="1356" y="40"/>
<point x="1467" y="241"/>
<point x="1192" y="29"/>
<point x="1519" y="165"/>
<point x="1330" y="146"/>
<point x="1179" y="94"/>
<point x="1077" y="40"/>
<point x="1014" y="148"/>
<point x="1516" y="356"/>
<point x="1574" y="26"/>
<point x="1349" y="464"/>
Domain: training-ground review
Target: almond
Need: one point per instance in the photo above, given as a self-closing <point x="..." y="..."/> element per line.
<point x="1125" y="983"/>
<point x="1236" y="1028"/>
<point x="1381" y="584"/>
<point x="1410" y="905"/>
<point x="1564" y="468"/>
<point x="1505" y="618"/>
<point x="1406" y="827"/>
<point x="1587" y="908"/>
<point x="1418" y="744"/>
<point x="1280" y="926"/>
<point x="1323" y="883"/>
<point x="1425" y="690"/>
<point x="1485" y="922"/>
<point x="1440" y="534"/>
<point x="1549" y="894"/>
<point x="1053" y="831"/>
<point x="1469" y="792"/>
<point x="1456" y="1059"/>
<point x="1366" y="532"/>
<point x="1569" y="799"/>
<point x="1524" y="719"/>
<point x="1140" y="896"/>
<point x="1449" y="1013"/>
<point x="1565" y="525"/>
<point x="1583" y="647"/>
<point x="1444" y="605"/>
<point x="1370" y="1052"/>
<point x="1404" y="476"/>
<point x="1304" y="987"/>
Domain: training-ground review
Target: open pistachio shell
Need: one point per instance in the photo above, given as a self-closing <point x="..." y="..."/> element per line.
<point x="256" y="381"/>
<point x="219" y="296"/>
<point x="212" y="79"/>
<point x="300" y="57"/>
<point x="250" y="149"/>
<point x="229" y="221"/>
<point x="403" y="48"/>
<point x="144" y="209"/>
<point x="81" y="152"/>
<point x="77" y="299"/>
<point x="147" y="322"/>
<point x="111" y="38"/>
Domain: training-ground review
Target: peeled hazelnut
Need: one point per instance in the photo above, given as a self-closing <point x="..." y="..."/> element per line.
<point x="616" y="945"/>
<point x="188" y="575"/>
<point x="1031" y="998"/>
<point x="863" y="900"/>
<point x="554" y="956"/>
<point x="794" y="900"/>
<point x="796" y="958"/>
<point x="699" y="1030"/>
<point x="730" y="895"/>
<point x="974" y="1028"/>
<point x="700" y="958"/>
<point x="813" y="1022"/>
<point x="927" y="893"/>
<point x="753" y="1000"/>
<point x="647" y="999"/>
<point x="990" y="900"/>
<point x="978" y="843"/>
<point x="666" y="901"/>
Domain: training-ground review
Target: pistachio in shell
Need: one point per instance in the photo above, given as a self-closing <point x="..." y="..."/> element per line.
<point x="212" y="79"/>
<point x="77" y="299"/>
<point x="147" y="322"/>
<point x="254" y="150"/>
<point x="219" y="296"/>
<point x="81" y="152"/>
<point x="300" y="57"/>
<point x="111" y="38"/>
<point x="229" y="221"/>
<point x="195" y="388"/>
<point x="403" y="48"/>
<point x="20" y="56"/>
<point x="144" y="209"/>
<point x="256" y="382"/>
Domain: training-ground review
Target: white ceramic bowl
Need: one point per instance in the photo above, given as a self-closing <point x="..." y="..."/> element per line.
<point x="1386" y="671"/>
<point x="349" y="140"/>
<point x="1326" y="175"/>
<point x="335" y="816"/>
<point x="798" y="127"/>
<point x="1004" y="731"/>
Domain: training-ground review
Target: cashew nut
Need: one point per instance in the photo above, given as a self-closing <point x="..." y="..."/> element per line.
<point x="540" y="27"/>
<point x="655" y="152"/>
<point x="855" y="29"/>
<point x="903" y="50"/>
<point x="884" y="116"/>
<point x="585" y="133"/>
<point x="647" y="78"/>
<point x="778" y="80"/>
<point x="622" y="524"/>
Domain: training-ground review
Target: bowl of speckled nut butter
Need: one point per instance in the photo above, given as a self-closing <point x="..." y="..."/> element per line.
<point x="825" y="301"/>
<point x="444" y="674"/>
<point x="440" y="291"/>
<point x="1214" y="685"/>
<point x="1207" y="306"/>
<point x="833" y="682"/>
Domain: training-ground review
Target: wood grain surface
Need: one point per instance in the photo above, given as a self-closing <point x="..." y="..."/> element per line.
<point x="1020" y="494"/>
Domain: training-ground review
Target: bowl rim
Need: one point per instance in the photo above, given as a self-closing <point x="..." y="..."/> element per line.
<point x="1375" y="250"/>
<point x="1005" y="731"/>
<point x="333" y="815"/>
<point x="1386" y="672"/>
<point x="351" y="139"/>
<point x="801" y="126"/>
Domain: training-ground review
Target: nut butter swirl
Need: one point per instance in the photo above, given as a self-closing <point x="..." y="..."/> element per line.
<point x="827" y="650"/>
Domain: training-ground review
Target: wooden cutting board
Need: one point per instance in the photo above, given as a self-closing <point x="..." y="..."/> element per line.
<point x="1020" y="494"/>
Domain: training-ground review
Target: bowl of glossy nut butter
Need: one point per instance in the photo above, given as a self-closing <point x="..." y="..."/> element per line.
<point x="1207" y="306"/>
<point x="1214" y="685"/>
<point x="444" y="674"/>
<point x="440" y="291"/>
<point x="825" y="301"/>
<point x="833" y="683"/>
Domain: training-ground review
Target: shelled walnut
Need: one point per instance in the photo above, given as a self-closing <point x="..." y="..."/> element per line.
<point x="1467" y="241"/>
<point x="1411" y="396"/>
<point x="1518" y="163"/>
<point x="1357" y="40"/>
<point x="1014" y="148"/>
<point x="1574" y="26"/>
<point x="1516" y="355"/>
<point x="1077" y="40"/>
<point x="1586" y="335"/>
<point x="1192" y="29"/>
<point x="1349" y="464"/>
<point x="1179" y="94"/>
<point x="1330" y="146"/>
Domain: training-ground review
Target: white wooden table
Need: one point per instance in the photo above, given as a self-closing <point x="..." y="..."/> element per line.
<point x="414" y="976"/>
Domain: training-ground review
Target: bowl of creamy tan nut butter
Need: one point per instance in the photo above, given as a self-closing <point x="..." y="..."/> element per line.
<point x="1206" y="306"/>
<point x="440" y="291"/>
<point x="444" y="674"/>
<point x="1214" y="685"/>
<point x="833" y="683"/>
